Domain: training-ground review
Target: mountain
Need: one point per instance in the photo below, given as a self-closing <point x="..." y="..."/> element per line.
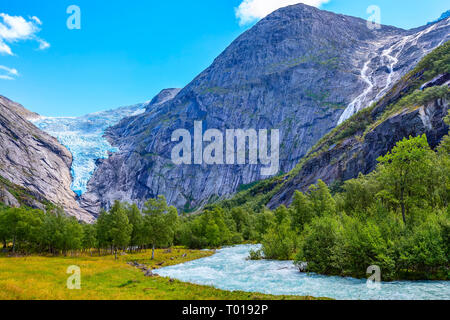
<point x="34" y="167"/>
<point x="416" y="105"/>
<point x="300" y="70"/>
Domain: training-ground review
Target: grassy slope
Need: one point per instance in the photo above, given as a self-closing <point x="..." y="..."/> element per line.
<point x="103" y="278"/>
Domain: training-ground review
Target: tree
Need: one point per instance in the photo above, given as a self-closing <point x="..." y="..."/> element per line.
<point x="72" y="234"/>
<point x="120" y="228"/>
<point x="60" y="232"/>
<point x="263" y="222"/>
<point x="403" y="172"/>
<point x="242" y="219"/>
<point x="4" y="233"/>
<point x="15" y="224"/>
<point x="442" y="177"/>
<point x="301" y="211"/>
<point x="103" y="230"/>
<point x="424" y="249"/>
<point x="279" y="241"/>
<point x="136" y="220"/>
<point x="359" y="194"/>
<point x="89" y="240"/>
<point x="51" y="232"/>
<point x="321" y="245"/>
<point x="322" y="201"/>
<point x="160" y="222"/>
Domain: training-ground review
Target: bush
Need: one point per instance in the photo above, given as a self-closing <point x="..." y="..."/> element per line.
<point x="255" y="255"/>
<point x="321" y="245"/>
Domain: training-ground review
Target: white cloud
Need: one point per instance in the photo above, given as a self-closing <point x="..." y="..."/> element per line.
<point x="16" y="28"/>
<point x="8" y="73"/>
<point x="252" y="10"/>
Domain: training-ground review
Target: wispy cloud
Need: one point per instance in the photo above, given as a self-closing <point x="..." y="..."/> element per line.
<point x="17" y="28"/>
<point x="8" y="73"/>
<point x="252" y="10"/>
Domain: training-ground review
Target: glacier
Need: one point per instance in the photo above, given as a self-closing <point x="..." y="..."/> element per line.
<point x="84" y="138"/>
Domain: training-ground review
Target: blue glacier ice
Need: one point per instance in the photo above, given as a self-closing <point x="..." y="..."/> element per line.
<point x="83" y="137"/>
<point x="228" y="269"/>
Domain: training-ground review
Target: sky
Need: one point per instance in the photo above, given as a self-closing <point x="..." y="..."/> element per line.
<point x="125" y="52"/>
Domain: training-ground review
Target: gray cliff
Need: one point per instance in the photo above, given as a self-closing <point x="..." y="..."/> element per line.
<point x="33" y="164"/>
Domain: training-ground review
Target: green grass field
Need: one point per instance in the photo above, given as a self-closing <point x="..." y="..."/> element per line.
<point x="104" y="278"/>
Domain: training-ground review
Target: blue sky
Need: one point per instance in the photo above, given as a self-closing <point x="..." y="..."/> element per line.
<point x="127" y="51"/>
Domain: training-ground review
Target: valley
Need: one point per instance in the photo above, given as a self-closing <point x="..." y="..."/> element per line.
<point x="166" y="199"/>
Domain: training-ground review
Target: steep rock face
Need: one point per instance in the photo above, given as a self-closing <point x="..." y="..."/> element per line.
<point x="296" y="70"/>
<point x="32" y="160"/>
<point x="352" y="156"/>
<point x="389" y="58"/>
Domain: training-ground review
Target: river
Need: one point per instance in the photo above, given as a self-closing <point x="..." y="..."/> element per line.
<point x="229" y="269"/>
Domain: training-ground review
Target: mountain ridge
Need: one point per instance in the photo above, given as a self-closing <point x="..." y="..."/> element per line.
<point x="295" y="70"/>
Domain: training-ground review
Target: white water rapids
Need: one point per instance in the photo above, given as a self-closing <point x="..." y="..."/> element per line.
<point x="229" y="269"/>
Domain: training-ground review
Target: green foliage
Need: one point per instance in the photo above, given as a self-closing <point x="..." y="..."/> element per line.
<point x="423" y="249"/>
<point x="262" y="222"/>
<point x="402" y="174"/>
<point x="119" y="227"/>
<point x="321" y="244"/>
<point x="279" y="241"/>
<point x="322" y="202"/>
<point x="436" y="62"/>
<point x="89" y="240"/>
<point x="160" y="222"/>
<point x="137" y="222"/>
<point x="209" y="229"/>
<point x="122" y="227"/>
<point x="255" y="255"/>
<point x="415" y="99"/>
<point x="301" y="210"/>
<point x="396" y="218"/>
<point x="420" y="98"/>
